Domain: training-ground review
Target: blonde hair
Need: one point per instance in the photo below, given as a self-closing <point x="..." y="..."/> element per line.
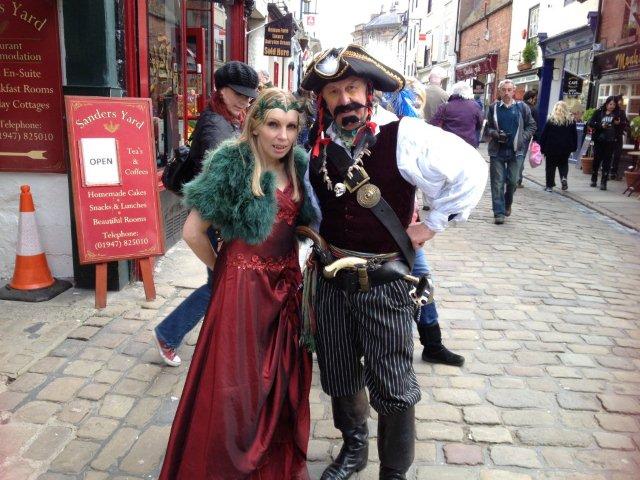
<point x="418" y="88"/>
<point x="256" y="117"/>
<point x="561" y="115"/>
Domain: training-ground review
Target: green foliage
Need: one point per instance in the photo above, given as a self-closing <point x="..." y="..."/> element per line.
<point x="588" y="113"/>
<point x="634" y="127"/>
<point x="530" y="52"/>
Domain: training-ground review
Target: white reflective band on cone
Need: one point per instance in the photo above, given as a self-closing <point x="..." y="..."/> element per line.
<point x="28" y="239"/>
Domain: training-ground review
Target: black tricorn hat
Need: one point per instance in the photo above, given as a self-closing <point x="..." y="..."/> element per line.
<point x="337" y="64"/>
<point x="238" y="76"/>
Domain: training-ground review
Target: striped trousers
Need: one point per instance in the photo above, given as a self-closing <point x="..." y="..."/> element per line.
<point x="376" y="327"/>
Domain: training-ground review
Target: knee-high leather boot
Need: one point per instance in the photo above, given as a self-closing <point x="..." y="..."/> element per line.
<point x="396" y="444"/>
<point x="434" y="351"/>
<point x="350" y="417"/>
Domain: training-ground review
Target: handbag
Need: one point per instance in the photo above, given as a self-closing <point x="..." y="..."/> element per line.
<point x="535" y="155"/>
<point x="179" y="170"/>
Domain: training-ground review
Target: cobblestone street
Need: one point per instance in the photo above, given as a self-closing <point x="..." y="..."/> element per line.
<point x="544" y="308"/>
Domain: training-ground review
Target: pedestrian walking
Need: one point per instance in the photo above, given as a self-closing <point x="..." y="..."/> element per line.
<point x="558" y="139"/>
<point x="460" y="115"/>
<point x="621" y="129"/>
<point x="244" y="410"/>
<point x="434" y="94"/>
<point x="604" y="124"/>
<point x="510" y="127"/>
<point x="236" y="85"/>
<point x="530" y="97"/>
<point x="364" y="178"/>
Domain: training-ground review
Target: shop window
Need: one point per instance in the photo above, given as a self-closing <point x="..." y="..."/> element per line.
<point x="164" y="51"/>
<point x="532" y="29"/>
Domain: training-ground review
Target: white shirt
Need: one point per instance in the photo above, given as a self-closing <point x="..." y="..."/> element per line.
<point x="450" y="173"/>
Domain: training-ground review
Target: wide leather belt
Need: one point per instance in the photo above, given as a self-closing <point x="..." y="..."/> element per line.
<point x="378" y="274"/>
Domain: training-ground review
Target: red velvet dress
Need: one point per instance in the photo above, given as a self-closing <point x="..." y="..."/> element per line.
<point x="244" y="411"/>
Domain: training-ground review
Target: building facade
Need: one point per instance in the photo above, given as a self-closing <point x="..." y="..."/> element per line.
<point x="483" y="45"/>
<point x="617" y="59"/>
<point x="164" y="50"/>
<point x="385" y="35"/>
<point x="437" y="39"/>
<point x="566" y="33"/>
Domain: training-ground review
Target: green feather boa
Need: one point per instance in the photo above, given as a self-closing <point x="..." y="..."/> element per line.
<point x="222" y="194"/>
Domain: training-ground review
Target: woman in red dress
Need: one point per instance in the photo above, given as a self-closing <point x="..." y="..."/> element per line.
<point x="244" y="411"/>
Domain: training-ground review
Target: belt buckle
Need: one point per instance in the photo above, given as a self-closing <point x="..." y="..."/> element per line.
<point x="357" y="177"/>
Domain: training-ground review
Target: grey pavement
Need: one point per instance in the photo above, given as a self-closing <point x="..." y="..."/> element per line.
<point x="544" y="307"/>
<point x="612" y="202"/>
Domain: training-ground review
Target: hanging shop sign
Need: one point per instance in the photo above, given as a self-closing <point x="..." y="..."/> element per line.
<point x="277" y="37"/>
<point x="571" y="84"/>
<point x="31" y="126"/>
<point x="478" y="87"/>
<point x="113" y="170"/>
<point x="474" y="68"/>
<point x="620" y="60"/>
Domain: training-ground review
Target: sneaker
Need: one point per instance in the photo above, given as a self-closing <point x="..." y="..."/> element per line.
<point x="548" y="189"/>
<point x="499" y="219"/>
<point x="507" y="212"/>
<point x="167" y="353"/>
<point x="564" y="184"/>
<point x="593" y="184"/>
<point x="603" y="186"/>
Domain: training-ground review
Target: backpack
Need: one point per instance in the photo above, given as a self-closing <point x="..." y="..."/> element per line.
<point x="181" y="169"/>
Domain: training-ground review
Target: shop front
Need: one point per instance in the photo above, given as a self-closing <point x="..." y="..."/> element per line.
<point x="618" y="73"/>
<point x="566" y="70"/>
<point x="165" y="50"/>
<point x="482" y="73"/>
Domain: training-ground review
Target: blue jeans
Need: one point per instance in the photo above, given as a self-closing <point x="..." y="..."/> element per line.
<point x="428" y="313"/>
<point x="186" y="316"/>
<point x="504" y="170"/>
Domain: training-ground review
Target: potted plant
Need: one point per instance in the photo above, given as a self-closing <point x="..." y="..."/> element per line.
<point x="586" y="161"/>
<point x="529" y="55"/>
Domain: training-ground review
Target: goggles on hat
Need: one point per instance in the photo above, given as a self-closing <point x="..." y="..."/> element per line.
<point x="329" y="63"/>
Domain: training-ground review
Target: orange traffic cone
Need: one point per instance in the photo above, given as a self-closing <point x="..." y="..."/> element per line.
<point x="32" y="279"/>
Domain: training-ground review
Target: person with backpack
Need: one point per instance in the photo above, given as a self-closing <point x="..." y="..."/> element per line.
<point x="236" y="86"/>
<point x="510" y="127"/>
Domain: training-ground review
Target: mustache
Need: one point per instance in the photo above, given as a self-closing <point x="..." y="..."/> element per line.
<point x="350" y="119"/>
<point x="347" y="108"/>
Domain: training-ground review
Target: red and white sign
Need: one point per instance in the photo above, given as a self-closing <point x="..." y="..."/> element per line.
<point x="113" y="170"/>
<point x="31" y="125"/>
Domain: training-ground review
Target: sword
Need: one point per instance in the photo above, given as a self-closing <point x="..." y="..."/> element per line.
<point x="421" y="293"/>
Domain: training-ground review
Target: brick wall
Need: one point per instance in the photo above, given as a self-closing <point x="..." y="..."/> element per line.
<point x="613" y="30"/>
<point x="474" y="45"/>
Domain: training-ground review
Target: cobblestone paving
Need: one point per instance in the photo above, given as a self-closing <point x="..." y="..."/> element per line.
<point x="545" y="309"/>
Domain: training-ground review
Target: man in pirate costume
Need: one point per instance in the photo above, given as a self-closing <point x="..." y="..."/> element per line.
<point x="364" y="178"/>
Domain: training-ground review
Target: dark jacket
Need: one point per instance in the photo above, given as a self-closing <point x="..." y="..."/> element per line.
<point x="460" y="116"/>
<point x="558" y="140"/>
<point x="534" y="114"/>
<point x="604" y="127"/>
<point x="526" y="128"/>
<point x="211" y="130"/>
